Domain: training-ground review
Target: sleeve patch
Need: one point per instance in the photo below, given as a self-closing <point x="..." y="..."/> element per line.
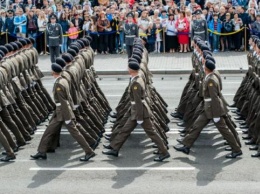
<point x="210" y="84"/>
<point x="58" y="89"/>
<point x="135" y="88"/>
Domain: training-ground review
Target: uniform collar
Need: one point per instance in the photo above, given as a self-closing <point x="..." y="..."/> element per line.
<point x="208" y="75"/>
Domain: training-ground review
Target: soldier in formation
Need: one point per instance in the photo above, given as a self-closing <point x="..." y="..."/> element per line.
<point x="140" y="105"/>
<point x="80" y="104"/>
<point x="24" y="102"/>
<point x="202" y="102"/>
<point x="247" y="99"/>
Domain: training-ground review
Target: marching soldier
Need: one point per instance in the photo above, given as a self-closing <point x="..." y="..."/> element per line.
<point x="54" y="37"/>
<point x="131" y="32"/>
<point x="63" y="115"/>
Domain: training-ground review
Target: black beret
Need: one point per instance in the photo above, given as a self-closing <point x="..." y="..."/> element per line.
<point x="2" y="53"/>
<point x="138" y="54"/>
<point x="60" y="61"/>
<point x="89" y="38"/>
<point x="137" y="49"/>
<point x="144" y="38"/>
<point x="210" y="65"/>
<point x="56" y="68"/>
<point x="10" y="11"/>
<point x="72" y="52"/>
<point x="9" y="47"/>
<point x="206" y="52"/>
<point x="204" y="47"/>
<point x="133" y="64"/>
<point x="23" y="41"/>
<point x="19" y="44"/>
<point x="67" y="57"/>
<point x="198" y="12"/>
<point x="14" y="45"/>
<point x="27" y="41"/>
<point x="76" y="44"/>
<point x="1" y="57"/>
<point x="75" y="48"/>
<point x="136" y="57"/>
<point x="32" y="40"/>
<point x="209" y="57"/>
<point x="4" y="49"/>
<point x="86" y="41"/>
<point x="82" y="44"/>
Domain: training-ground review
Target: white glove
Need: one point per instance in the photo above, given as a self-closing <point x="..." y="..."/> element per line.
<point x="60" y="45"/>
<point x="140" y="122"/>
<point x="206" y="42"/>
<point x="47" y="45"/>
<point x="68" y="122"/>
<point x="216" y="119"/>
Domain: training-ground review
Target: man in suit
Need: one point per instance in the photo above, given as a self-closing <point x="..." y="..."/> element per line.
<point x="131" y="32"/>
<point x="139" y="113"/>
<point x="54" y="38"/>
<point x="215" y="110"/>
<point x="63" y="115"/>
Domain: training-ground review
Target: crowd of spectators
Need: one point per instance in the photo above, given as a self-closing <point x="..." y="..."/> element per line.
<point x="165" y="23"/>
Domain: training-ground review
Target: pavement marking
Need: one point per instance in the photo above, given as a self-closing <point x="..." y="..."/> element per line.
<point x="116" y="168"/>
<point x="228" y="94"/>
<point x="114" y="95"/>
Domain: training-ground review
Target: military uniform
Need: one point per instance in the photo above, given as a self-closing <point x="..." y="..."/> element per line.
<point x="54" y="39"/>
<point x="199" y="28"/>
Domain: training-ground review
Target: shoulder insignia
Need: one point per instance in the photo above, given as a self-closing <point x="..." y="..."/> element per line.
<point x="58" y="89"/>
<point x="210" y="84"/>
<point x="135" y="88"/>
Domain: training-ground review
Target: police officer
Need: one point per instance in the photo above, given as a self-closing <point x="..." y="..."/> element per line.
<point x="131" y="32"/>
<point x="54" y="37"/>
<point x="199" y="27"/>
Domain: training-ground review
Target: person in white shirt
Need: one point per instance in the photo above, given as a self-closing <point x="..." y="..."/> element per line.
<point x="171" y="34"/>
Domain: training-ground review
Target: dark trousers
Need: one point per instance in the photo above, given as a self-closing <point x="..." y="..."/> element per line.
<point x="237" y="40"/>
<point x="94" y="42"/>
<point x="55" y="52"/>
<point x="103" y="40"/>
<point x="129" y="50"/>
<point x="202" y="122"/>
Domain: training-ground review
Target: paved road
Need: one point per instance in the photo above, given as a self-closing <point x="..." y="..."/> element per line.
<point x="227" y="62"/>
<point x="205" y="170"/>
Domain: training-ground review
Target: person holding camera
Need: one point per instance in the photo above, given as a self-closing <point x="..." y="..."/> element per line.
<point x="237" y="23"/>
<point x="103" y="26"/>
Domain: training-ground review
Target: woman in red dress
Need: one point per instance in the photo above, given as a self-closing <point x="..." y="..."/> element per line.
<point x="183" y="28"/>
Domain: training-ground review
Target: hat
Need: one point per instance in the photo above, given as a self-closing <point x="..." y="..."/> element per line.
<point x="76" y="44"/>
<point x="19" y="44"/>
<point x="197" y="12"/>
<point x="10" y="11"/>
<point x="204" y="47"/>
<point x="72" y="52"/>
<point x="22" y="41"/>
<point x="56" y="68"/>
<point x="53" y="16"/>
<point x="139" y="54"/>
<point x="210" y="58"/>
<point x="9" y="47"/>
<point x="14" y="45"/>
<point x="67" y="57"/>
<point x="4" y="49"/>
<point x="32" y="40"/>
<point x="75" y="48"/>
<point x="1" y="57"/>
<point x="89" y="38"/>
<point x="133" y="64"/>
<point x="130" y="14"/>
<point x="206" y="52"/>
<point x="210" y="65"/>
<point x="85" y="41"/>
<point x="136" y="57"/>
<point x="2" y="53"/>
<point x="144" y="39"/>
<point x="28" y="41"/>
<point x="60" y="61"/>
<point x="81" y="43"/>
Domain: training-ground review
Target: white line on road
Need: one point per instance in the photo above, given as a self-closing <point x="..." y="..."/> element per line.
<point x="116" y="168"/>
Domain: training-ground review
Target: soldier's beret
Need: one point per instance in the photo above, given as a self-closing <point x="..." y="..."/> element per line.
<point x="82" y="44"/>
<point x="19" y="44"/>
<point x="23" y="41"/>
<point x="32" y="40"/>
<point x="56" y="68"/>
<point x="206" y="52"/>
<point x="77" y="45"/>
<point x="138" y="50"/>
<point x="67" y="57"/>
<point x="140" y="55"/>
<point x="14" y="45"/>
<point x="4" y="49"/>
<point x="75" y="48"/>
<point x="130" y="14"/>
<point x="208" y="57"/>
<point x="204" y="47"/>
<point x="144" y="38"/>
<point x="139" y="46"/>
<point x="86" y="41"/>
<point x="27" y="41"/>
<point x="72" y="52"/>
<point x="9" y="47"/>
<point x="210" y="65"/>
<point x="60" y="61"/>
<point x="2" y="53"/>
<point x="89" y="38"/>
<point x="133" y="64"/>
<point x="254" y="37"/>
<point x="136" y="57"/>
<point x="1" y="57"/>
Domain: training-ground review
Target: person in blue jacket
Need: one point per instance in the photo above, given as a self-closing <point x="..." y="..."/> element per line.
<point x="9" y="26"/>
<point x="20" y="22"/>
<point x="214" y="25"/>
